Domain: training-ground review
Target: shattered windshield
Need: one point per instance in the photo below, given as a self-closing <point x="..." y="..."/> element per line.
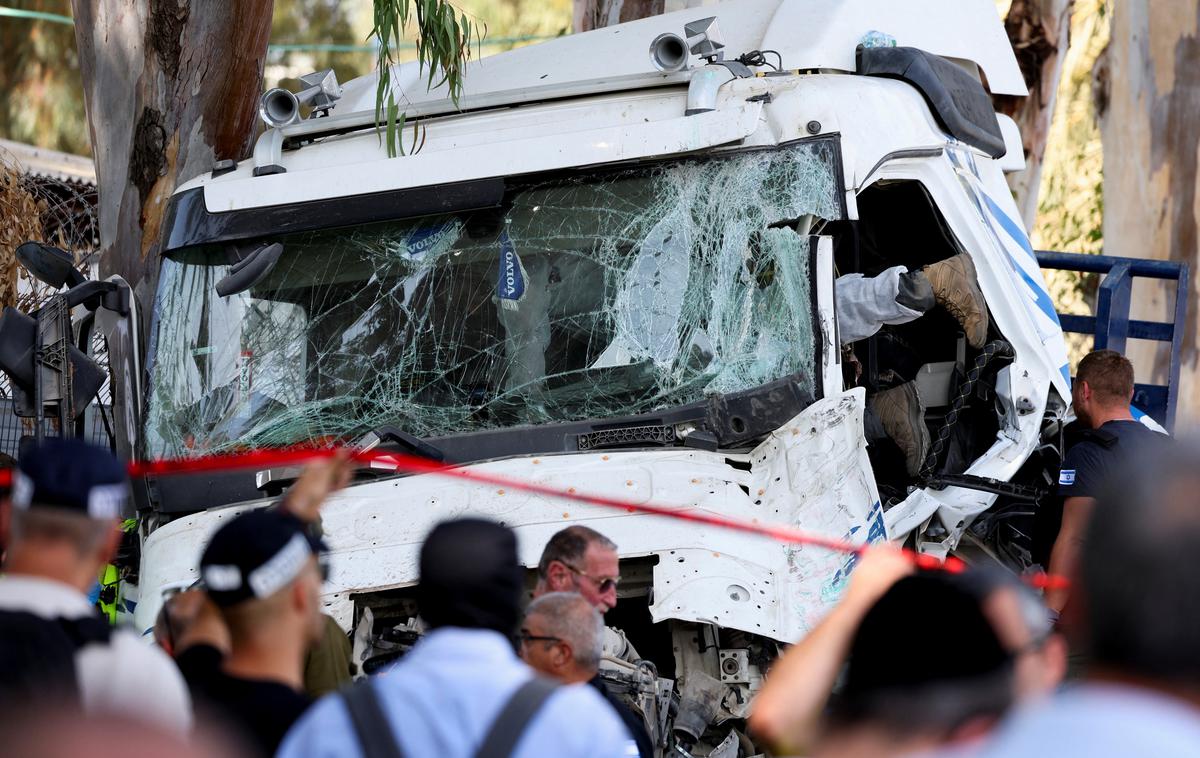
<point x="598" y="295"/>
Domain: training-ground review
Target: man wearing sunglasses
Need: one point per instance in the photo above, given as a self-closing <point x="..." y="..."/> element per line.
<point x="579" y="559"/>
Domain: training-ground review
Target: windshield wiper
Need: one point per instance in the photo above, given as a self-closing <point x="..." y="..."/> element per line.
<point x="274" y="480"/>
<point x="402" y="439"/>
<point x="720" y="421"/>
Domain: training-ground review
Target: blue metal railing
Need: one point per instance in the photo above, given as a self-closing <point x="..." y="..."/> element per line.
<point x="1112" y="327"/>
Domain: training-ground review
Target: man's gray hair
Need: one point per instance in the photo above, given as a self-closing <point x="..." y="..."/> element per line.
<point x="568" y="546"/>
<point x="60" y="524"/>
<point x="571" y="618"/>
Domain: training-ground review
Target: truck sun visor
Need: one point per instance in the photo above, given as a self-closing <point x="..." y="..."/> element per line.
<point x="957" y="99"/>
<point x="189" y="222"/>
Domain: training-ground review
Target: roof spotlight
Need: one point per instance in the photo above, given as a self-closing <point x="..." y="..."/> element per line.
<point x="704" y="38"/>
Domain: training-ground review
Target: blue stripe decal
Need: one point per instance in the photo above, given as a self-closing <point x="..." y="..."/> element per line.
<point x="974" y="165"/>
<point x="1138" y="413"/>
<point x="1010" y="226"/>
<point x="1043" y="298"/>
<point x="994" y="213"/>
<point x="833" y="588"/>
<point x="1044" y="303"/>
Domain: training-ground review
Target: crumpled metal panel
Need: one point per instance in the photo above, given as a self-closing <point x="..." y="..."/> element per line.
<point x="813" y="473"/>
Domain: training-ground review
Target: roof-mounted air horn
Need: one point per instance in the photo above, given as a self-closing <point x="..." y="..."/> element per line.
<point x="280" y="107"/>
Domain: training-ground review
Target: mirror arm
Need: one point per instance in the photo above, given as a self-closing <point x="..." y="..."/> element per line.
<point x="99" y="294"/>
<point x="74" y="278"/>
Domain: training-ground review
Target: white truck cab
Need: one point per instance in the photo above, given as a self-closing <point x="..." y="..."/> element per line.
<point x="609" y="268"/>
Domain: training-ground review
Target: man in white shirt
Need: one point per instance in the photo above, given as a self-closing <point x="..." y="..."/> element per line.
<point x="65" y="504"/>
<point x="462" y="691"/>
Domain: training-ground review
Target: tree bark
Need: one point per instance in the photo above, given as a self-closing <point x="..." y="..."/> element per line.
<point x="596" y="14"/>
<point x="1040" y="33"/>
<point x="1148" y="98"/>
<point x="168" y="91"/>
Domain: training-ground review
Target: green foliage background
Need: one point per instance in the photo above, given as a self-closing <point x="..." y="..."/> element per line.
<point x="41" y="94"/>
<point x="1071" y="198"/>
<point x="349" y="24"/>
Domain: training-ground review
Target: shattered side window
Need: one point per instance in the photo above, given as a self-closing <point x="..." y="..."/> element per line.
<point x="600" y="295"/>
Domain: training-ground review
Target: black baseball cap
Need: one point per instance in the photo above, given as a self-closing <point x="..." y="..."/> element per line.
<point x="71" y="475"/>
<point x="928" y="628"/>
<point x="255" y="555"/>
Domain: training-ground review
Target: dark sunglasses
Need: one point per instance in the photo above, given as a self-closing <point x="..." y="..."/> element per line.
<point x="603" y="584"/>
<point x="526" y="637"/>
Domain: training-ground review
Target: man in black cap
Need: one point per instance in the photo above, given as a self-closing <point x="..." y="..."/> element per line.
<point x="461" y="691"/>
<point x="924" y="667"/>
<point x="66" y="502"/>
<point x="262" y="574"/>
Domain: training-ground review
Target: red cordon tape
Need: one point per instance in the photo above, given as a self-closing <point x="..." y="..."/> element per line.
<point x="294" y="456"/>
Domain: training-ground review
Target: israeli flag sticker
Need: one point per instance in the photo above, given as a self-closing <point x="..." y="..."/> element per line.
<point x="510" y="281"/>
<point x="1066" y="477"/>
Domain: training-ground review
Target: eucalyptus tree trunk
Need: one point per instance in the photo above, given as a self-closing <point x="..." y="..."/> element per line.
<point x="597" y="14"/>
<point x="1148" y="97"/>
<point x="1040" y="33"/>
<point x="170" y="87"/>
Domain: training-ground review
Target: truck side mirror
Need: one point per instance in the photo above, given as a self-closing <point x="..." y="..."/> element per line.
<point x="18" y="340"/>
<point x="49" y="264"/>
<point x="250" y="270"/>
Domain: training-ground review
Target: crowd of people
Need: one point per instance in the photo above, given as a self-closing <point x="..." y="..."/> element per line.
<point x="908" y="662"/>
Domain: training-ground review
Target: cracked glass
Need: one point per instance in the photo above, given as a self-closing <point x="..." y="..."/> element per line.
<point x="598" y="295"/>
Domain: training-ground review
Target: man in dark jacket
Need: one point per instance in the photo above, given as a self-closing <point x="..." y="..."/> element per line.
<point x="262" y="573"/>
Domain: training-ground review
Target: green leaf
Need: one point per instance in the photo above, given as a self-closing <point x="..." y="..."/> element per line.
<point x="443" y="48"/>
<point x="393" y="140"/>
<point x="399" y="146"/>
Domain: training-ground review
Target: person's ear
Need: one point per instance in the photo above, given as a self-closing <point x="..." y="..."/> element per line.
<point x="1054" y="660"/>
<point x="110" y="544"/>
<point x="558" y="577"/>
<point x="5" y="523"/>
<point x="301" y="595"/>
<point x="972" y="730"/>
<point x="563" y="655"/>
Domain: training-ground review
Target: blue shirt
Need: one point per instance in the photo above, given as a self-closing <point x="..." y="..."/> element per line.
<point x="1096" y="721"/>
<point x="442" y="697"/>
